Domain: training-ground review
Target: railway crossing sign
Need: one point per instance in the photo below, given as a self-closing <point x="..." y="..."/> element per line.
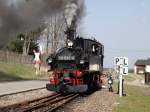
<point x="121" y="65"/>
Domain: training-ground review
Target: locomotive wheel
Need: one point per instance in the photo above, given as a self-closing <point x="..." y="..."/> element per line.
<point x="94" y="86"/>
<point x="63" y="89"/>
<point x="91" y="86"/>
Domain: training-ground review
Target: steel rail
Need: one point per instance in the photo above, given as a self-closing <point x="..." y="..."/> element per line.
<point x="24" y="103"/>
<point x="51" y="109"/>
<point x="48" y="103"/>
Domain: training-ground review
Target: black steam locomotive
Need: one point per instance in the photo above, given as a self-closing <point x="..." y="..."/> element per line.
<point x="76" y="67"/>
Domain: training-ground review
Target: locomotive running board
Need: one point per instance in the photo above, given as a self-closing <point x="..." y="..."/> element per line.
<point x="70" y="89"/>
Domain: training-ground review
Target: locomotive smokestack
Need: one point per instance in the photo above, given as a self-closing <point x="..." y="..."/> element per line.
<point x="74" y="11"/>
<point x="71" y="32"/>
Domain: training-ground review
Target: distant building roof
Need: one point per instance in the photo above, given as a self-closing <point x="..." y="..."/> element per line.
<point x="140" y="62"/>
<point x="143" y="62"/>
<point x="148" y="61"/>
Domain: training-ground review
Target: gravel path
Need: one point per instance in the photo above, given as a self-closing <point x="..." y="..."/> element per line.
<point x="100" y="101"/>
<point x="17" y="86"/>
<point x="12" y="99"/>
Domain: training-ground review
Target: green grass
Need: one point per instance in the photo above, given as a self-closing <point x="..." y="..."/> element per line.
<point x="137" y="100"/>
<point x="130" y="77"/>
<point x="13" y="72"/>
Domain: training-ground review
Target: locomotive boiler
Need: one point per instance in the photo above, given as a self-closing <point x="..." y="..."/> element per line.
<point x="77" y="67"/>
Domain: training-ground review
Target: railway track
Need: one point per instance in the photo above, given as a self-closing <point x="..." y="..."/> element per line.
<point x="48" y="103"/>
<point x="25" y="91"/>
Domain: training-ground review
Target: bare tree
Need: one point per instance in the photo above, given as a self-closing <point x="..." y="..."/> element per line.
<point x="56" y="26"/>
<point x="29" y="37"/>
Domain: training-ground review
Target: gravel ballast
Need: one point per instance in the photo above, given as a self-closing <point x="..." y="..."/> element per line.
<point x="100" y="101"/>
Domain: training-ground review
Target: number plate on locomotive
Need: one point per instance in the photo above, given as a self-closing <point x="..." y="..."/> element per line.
<point x="66" y="57"/>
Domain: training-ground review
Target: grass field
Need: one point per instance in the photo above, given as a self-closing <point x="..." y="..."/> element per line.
<point x="137" y="100"/>
<point x="14" y="72"/>
<point x="130" y="77"/>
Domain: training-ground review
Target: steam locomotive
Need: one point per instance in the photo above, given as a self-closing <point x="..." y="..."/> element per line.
<point x="77" y="67"/>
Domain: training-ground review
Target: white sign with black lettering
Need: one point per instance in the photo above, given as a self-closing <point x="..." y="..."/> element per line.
<point x="121" y="64"/>
<point x="121" y="61"/>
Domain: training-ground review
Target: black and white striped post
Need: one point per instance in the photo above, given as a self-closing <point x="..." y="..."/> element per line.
<point x="122" y="66"/>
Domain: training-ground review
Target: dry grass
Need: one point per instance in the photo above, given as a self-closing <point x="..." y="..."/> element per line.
<point x="137" y="100"/>
<point x="16" y="72"/>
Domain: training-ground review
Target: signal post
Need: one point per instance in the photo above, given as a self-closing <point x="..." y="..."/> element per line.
<point x="121" y="67"/>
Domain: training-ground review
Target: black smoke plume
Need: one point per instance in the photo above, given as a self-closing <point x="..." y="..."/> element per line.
<point x="25" y="15"/>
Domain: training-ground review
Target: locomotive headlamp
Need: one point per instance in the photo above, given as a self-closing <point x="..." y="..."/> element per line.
<point x="81" y="61"/>
<point x="49" y="61"/>
<point x="70" y="44"/>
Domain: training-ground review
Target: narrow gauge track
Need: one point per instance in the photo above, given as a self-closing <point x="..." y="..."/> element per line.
<point x="43" y="104"/>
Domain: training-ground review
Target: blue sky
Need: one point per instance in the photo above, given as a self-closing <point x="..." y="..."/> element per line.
<point x="123" y="26"/>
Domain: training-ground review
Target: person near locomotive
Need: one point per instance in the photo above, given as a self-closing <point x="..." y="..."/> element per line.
<point x="37" y="60"/>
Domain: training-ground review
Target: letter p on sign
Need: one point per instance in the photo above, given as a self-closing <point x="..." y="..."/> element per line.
<point x="121" y="61"/>
<point x="117" y="61"/>
<point x="122" y="64"/>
